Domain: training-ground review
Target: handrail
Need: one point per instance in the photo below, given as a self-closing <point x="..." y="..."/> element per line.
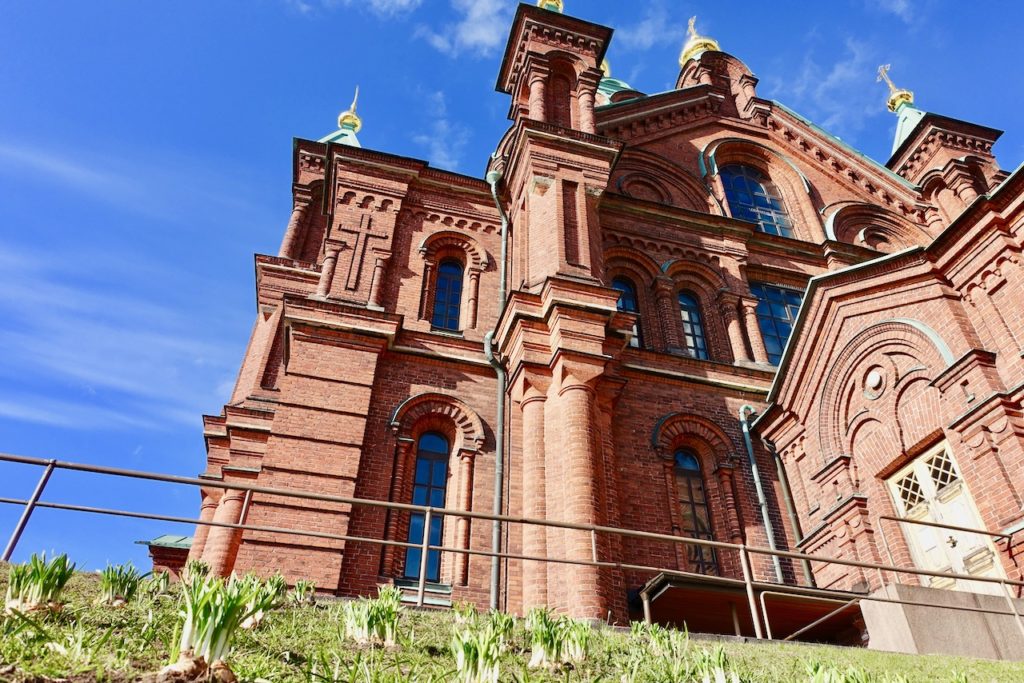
<point x="748" y="581"/>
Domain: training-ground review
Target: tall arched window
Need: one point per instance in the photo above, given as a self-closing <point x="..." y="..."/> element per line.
<point x="448" y="296"/>
<point x="693" y="325"/>
<point x="429" y="485"/>
<point x="629" y="303"/>
<point x="753" y="197"/>
<point x="693" y="502"/>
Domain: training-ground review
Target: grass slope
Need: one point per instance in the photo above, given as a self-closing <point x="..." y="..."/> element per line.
<point x="87" y="642"/>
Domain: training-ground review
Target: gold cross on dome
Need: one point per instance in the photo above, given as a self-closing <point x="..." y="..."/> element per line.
<point x="883" y="75"/>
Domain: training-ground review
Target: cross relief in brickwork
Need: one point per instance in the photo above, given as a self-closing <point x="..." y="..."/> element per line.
<point x="355" y="243"/>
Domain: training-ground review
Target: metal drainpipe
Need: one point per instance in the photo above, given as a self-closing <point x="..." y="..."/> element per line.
<point x="493" y="178"/>
<point x="787" y="497"/>
<point x="745" y="413"/>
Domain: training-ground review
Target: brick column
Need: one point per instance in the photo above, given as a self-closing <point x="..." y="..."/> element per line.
<point x="377" y="282"/>
<point x="535" y="574"/>
<point x="586" y="105"/>
<point x="396" y="521"/>
<point x="538" y="95"/>
<point x="725" y="474"/>
<point x="668" y="313"/>
<point x="291" y="234"/>
<point x="581" y="497"/>
<point x="464" y="502"/>
<point x="327" y="273"/>
<point x="207" y="510"/>
<point x="754" y="330"/>
<point x="222" y="542"/>
<point x="474" y="296"/>
<point x="728" y="306"/>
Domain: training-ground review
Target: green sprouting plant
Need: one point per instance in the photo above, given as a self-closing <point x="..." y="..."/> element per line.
<point x="576" y="639"/>
<point x="818" y="672"/>
<point x="304" y="592"/>
<point x="119" y="583"/>
<point x="713" y="667"/>
<point x="959" y="677"/>
<point x="502" y="626"/>
<point x="158" y="583"/>
<point x="38" y="584"/>
<point x="477" y="655"/>
<point x="212" y="611"/>
<point x="465" y="612"/>
<point x="374" y="621"/>
<point x="267" y="598"/>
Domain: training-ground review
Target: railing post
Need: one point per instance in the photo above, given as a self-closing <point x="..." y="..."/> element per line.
<point x="747" y="580"/>
<point x="647" y="607"/>
<point x="1013" y="607"/>
<point x="593" y="544"/>
<point x="30" y="506"/>
<point x="424" y="550"/>
<point x="246" y="502"/>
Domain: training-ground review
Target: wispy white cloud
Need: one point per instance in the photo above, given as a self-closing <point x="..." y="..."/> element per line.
<point x="385" y="8"/>
<point x="903" y="9"/>
<point x="446" y="139"/>
<point x="482" y="27"/>
<point x="657" y="26"/>
<point x="105" y="357"/>
<point x="840" y="96"/>
<point x="155" y="184"/>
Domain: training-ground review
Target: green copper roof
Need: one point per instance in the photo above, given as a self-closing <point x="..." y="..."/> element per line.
<point x="909" y="117"/>
<point x="169" y="541"/>
<point x="346" y="135"/>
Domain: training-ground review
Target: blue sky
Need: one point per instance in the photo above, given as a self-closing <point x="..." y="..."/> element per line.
<point x="145" y="156"/>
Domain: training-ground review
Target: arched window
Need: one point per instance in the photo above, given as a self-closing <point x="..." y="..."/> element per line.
<point x="693" y="326"/>
<point x="447" y="296"/>
<point x="753" y="197"/>
<point x="629" y="303"/>
<point x="693" y="503"/>
<point x="429" y="485"/>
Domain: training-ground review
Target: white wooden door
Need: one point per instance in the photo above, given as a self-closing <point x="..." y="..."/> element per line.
<point x="931" y="490"/>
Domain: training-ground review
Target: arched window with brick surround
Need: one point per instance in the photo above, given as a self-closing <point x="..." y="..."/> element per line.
<point x="754" y="197"/>
<point x="452" y="265"/>
<point x="630" y="303"/>
<point x="448" y="296"/>
<point x="695" y="511"/>
<point x="694" y="340"/>
<point x="437" y="440"/>
<point x="430" y="484"/>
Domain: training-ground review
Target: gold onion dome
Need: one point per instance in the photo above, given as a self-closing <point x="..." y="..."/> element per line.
<point x="349" y="118"/>
<point x="898" y="97"/>
<point x="606" y="68"/>
<point x="696" y="44"/>
<point x="553" y="5"/>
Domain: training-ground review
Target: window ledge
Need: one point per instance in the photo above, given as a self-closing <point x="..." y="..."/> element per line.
<point x="458" y="334"/>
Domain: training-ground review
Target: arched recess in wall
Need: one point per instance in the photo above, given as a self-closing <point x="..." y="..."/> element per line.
<point x="450" y="245"/>
<point x="718" y="455"/>
<point x="870" y="226"/>
<point x="878" y="401"/>
<point x="642" y="174"/>
<point x="795" y="188"/>
<point x="935" y="191"/>
<point x="314" y="226"/>
<point x="452" y="418"/>
<point x="560" y="105"/>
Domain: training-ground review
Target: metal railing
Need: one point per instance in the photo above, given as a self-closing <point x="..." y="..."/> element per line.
<point x="758" y="610"/>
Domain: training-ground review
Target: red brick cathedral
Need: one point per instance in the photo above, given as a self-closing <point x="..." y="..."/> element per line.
<point x="692" y="313"/>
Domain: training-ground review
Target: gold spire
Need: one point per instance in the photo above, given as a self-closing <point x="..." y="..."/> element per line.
<point x="553" y="5"/>
<point x="606" y="68"/>
<point x="696" y="44"/>
<point x="897" y="96"/>
<point x="349" y="118"/>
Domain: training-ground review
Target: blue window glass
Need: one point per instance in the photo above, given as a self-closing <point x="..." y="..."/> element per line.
<point x="629" y="303"/>
<point x="776" y="312"/>
<point x="429" y="486"/>
<point x="696" y="513"/>
<point x="694" y="339"/>
<point x="753" y="197"/>
<point x="447" y="296"/>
